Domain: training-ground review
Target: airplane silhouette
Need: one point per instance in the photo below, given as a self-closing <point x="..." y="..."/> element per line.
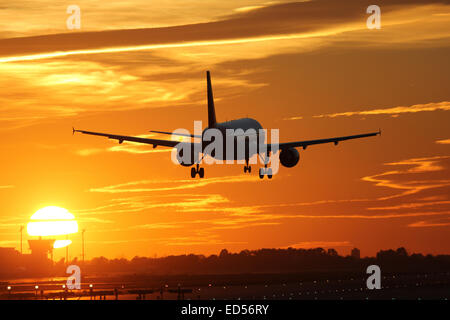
<point x="244" y="133"/>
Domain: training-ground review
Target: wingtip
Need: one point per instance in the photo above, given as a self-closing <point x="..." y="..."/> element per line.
<point x="379" y="132"/>
<point x="73" y="130"/>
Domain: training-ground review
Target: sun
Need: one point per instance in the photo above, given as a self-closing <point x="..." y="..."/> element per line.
<point x="52" y="221"/>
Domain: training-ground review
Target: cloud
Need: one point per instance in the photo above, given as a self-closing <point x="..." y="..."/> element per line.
<point x="392" y="179"/>
<point x="93" y="219"/>
<point x="444" y="141"/>
<point x="7" y="187"/>
<point x="264" y="23"/>
<point x="370" y="217"/>
<point x="84" y="73"/>
<point x="9" y="225"/>
<point x="127" y="147"/>
<point x="61" y="89"/>
<point x="432" y="106"/>
<point x="198" y="240"/>
<point x="89" y="152"/>
<point x="320" y="244"/>
<point x="412" y="205"/>
<point x="431" y="223"/>
<point x="160" y="225"/>
<point x="178" y="202"/>
<point x="139" y="186"/>
<point x="8" y="242"/>
<point x="249" y="8"/>
<point x="48" y="17"/>
<point x="412" y="182"/>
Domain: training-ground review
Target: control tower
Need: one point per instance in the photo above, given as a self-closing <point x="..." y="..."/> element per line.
<point x="41" y="248"/>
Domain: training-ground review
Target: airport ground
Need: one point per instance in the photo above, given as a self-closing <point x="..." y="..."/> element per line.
<point x="301" y="286"/>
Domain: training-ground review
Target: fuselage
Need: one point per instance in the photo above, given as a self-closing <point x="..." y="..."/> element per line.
<point x="240" y="139"/>
<point x="243" y="123"/>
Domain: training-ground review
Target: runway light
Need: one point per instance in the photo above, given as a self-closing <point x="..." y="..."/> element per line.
<point x="8" y="288"/>
<point x="36" y="287"/>
<point x="90" y="286"/>
<point x="63" y="286"/>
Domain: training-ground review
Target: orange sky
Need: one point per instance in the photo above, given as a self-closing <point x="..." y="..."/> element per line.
<point x="311" y="69"/>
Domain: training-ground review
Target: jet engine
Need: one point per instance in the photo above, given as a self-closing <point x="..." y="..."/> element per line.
<point x="289" y="157"/>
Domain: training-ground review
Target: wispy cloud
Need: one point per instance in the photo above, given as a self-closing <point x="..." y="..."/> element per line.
<point x="73" y="74"/>
<point x="428" y="107"/>
<point x="246" y="9"/>
<point x="8" y="242"/>
<point x="320" y="244"/>
<point x="390" y="179"/>
<point x="197" y="240"/>
<point x="431" y="223"/>
<point x="444" y="141"/>
<point x="139" y="186"/>
<point x="410" y="178"/>
<point x="127" y="147"/>
<point x="179" y="202"/>
<point x="158" y="225"/>
<point x="46" y="17"/>
<point x="412" y="205"/>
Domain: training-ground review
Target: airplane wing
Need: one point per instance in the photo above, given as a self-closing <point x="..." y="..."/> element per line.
<point x="178" y="134"/>
<point x="335" y="140"/>
<point x="154" y="142"/>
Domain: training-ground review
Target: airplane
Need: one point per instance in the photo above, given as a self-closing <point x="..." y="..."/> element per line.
<point x="251" y="128"/>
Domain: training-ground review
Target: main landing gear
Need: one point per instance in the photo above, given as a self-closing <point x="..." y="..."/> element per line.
<point x="247" y="168"/>
<point x="197" y="170"/>
<point x="265" y="171"/>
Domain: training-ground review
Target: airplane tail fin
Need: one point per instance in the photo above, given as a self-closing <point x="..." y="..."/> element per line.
<point x="211" y="109"/>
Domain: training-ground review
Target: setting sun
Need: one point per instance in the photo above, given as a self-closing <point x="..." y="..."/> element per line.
<point x="52" y="221"/>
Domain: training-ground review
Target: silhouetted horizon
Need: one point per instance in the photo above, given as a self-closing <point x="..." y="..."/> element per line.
<point x="265" y="260"/>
